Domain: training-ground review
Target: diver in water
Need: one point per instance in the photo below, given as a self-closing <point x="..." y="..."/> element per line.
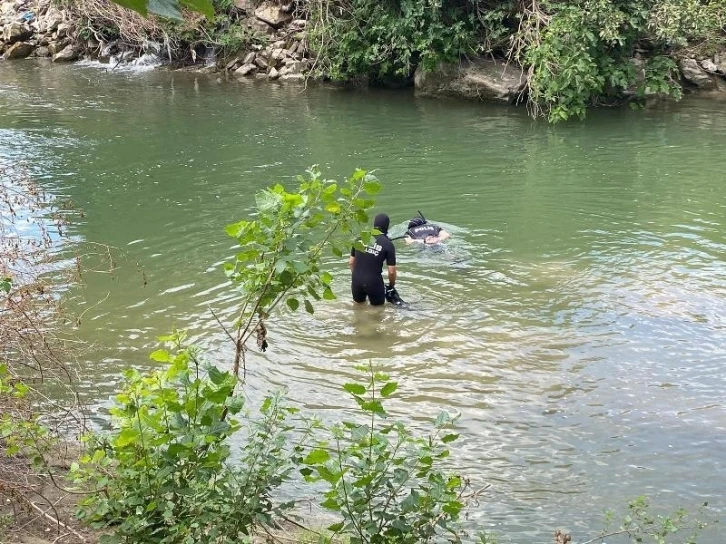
<point x="367" y="268"/>
<point x="423" y="232"/>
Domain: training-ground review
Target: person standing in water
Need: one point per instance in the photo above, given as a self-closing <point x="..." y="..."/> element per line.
<point x="367" y="266"/>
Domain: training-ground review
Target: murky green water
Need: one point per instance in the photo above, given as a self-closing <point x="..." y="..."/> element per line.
<point x="576" y="320"/>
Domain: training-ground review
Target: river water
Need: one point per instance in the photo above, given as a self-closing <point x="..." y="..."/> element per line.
<point x="575" y="321"/>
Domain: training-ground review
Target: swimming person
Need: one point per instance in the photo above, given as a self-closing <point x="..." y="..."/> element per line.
<point x="367" y="266"/>
<point x="421" y="231"/>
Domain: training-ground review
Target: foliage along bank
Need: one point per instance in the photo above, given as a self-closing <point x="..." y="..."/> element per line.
<point x="558" y="57"/>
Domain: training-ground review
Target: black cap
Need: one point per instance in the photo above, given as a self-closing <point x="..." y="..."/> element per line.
<point x="416" y="222"/>
<point x="381" y="222"/>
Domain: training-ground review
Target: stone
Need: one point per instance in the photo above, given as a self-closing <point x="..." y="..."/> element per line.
<point x="57" y="47"/>
<point x="16" y="32"/>
<point x="248" y="6"/>
<point x="277" y="54"/>
<point x="7" y="8"/>
<point x="109" y="49"/>
<point x="292" y="77"/>
<point x="231" y="65"/>
<point x="710" y="66"/>
<point x="256" y="25"/>
<point x="481" y="79"/>
<point x="272" y="15"/>
<point x="67" y="54"/>
<point x="293" y="48"/>
<point x="42" y="51"/>
<point x="19" y="50"/>
<point x="261" y="63"/>
<point x="273" y="74"/>
<point x="50" y="22"/>
<point x="245" y="70"/>
<point x="279" y="44"/>
<point x="249" y="58"/>
<point x="695" y="75"/>
<point x="63" y="30"/>
<point x="298" y="24"/>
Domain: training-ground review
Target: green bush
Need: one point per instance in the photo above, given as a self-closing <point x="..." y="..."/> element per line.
<point x="384" y="482"/>
<point x="388" y="38"/>
<point x="162" y="474"/>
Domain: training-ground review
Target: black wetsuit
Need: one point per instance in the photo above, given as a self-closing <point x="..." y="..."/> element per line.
<point x="368" y="269"/>
<point x="422" y="232"/>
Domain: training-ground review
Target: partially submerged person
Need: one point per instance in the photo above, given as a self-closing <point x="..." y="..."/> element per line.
<point x="367" y="266"/>
<point x="423" y="232"/>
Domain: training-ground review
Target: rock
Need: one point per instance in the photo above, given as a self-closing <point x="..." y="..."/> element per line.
<point x="245" y="70"/>
<point x="109" y="49"/>
<point x="231" y="65"/>
<point x="719" y="60"/>
<point x="49" y="22"/>
<point x="476" y="79"/>
<point x="248" y="6"/>
<point x="261" y="63"/>
<point x="293" y="48"/>
<point x="63" y="31"/>
<point x="709" y="66"/>
<point x="249" y="58"/>
<point x="293" y="67"/>
<point x="694" y="74"/>
<point x="273" y="74"/>
<point x="7" y="8"/>
<point x="57" y="47"/>
<point x="277" y="54"/>
<point x="272" y="15"/>
<point x="42" y="51"/>
<point x="255" y="25"/>
<point x="19" y="50"/>
<point x="292" y="77"/>
<point x="279" y="44"/>
<point x="16" y="32"/>
<point x="67" y="54"/>
<point x="298" y="24"/>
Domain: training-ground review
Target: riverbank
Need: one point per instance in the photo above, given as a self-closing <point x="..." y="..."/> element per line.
<point x="276" y="41"/>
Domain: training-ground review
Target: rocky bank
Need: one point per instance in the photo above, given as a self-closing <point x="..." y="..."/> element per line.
<point x="36" y="28"/>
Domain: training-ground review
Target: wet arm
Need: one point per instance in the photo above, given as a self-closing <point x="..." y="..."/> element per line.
<point x="392" y="275"/>
<point x="351" y="263"/>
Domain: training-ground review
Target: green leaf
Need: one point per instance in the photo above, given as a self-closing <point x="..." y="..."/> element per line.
<point x="204" y="7"/>
<point x="355" y="388"/>
<point x="328" y="294"/>
<point x="6" y="284"/>
<point x="165" y="8"/>
<point x="333" y="207"/>
<point x="374" y="406"/>
<point x="449" y="438"/>
<point x="136" y="5"/>
<point x="161" y="356"/>
<point x="330" y="504"/>
<point x="293" y="303"/>
<point x="389" y="389"/>
<point x="372" y="187"/>
<point x="126" y="437"/>
<point x="309" y="307"/>
<point x="336" y="527"/>
<point x="217" y="376"/>
<point x="317" y="456"/>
